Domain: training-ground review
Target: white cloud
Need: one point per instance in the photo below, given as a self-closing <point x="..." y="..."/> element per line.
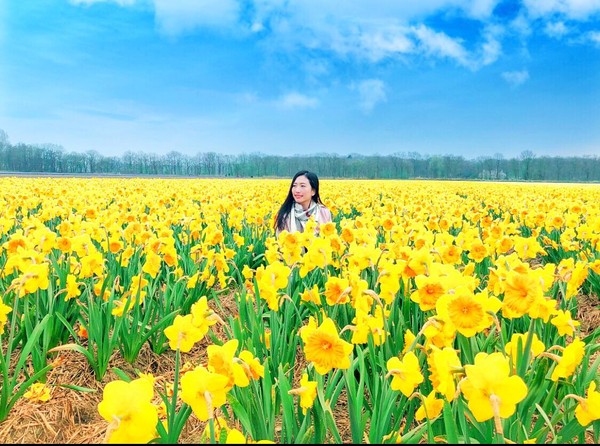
<point x="294" y="100"/>
<point x="257" y="27"/>
<point x="480" y="9"/>
<point x="439" y="44"/>
<point x="366" y="30"/>
<point x="311" y="11"/>
<point x="372" y="31"/>
<point x="118" y="2"/>
<point x="372" y="92"/>
<point x="594" y="37"/>
<point x="521" y="25"/>
<point x="177" y="16"/>
<point x="491" y="48"/>
<point x="379" y="44"/>
<point x="556" y="29"/>
<point x="516" y="78"/>
<point x="575" y="9"/>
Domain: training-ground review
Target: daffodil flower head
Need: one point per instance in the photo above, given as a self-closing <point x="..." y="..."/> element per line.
<point x="490" y="389"/>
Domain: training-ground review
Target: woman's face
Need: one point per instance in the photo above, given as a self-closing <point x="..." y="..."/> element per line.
<point x="302" y="191"/>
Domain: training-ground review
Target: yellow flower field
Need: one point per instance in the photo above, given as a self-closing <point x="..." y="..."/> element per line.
<point x="427" y="311"/>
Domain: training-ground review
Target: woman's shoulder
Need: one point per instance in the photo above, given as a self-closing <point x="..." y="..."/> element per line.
<point x="324" y="210"/>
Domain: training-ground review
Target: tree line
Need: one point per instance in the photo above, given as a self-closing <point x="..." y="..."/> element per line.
<point x="52" y="158"/>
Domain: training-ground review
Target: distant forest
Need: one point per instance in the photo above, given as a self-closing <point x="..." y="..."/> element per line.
<point x="53" y="159"/>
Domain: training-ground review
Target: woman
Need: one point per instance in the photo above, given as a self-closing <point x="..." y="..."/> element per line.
<point x="302" y="202"/>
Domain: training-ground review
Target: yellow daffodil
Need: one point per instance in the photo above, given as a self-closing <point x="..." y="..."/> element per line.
<point x="311" y="295"/>
<point x="252" y="366"/>
<point x="369" y="325"/>
<point x="204" y="391"/>
<point x="527" y="247"/>
<point x="444" y="365"/>
<point x="439" y="332"/>
<point x="477" y="251"/>
<point x="429" y="290"/>
<point x="572" y="356"/>
<point x="234" y="436"/>
<point x="152" y="264"/>
<point x="588" y="409"/>
<point x="72" y="287"/>
<point x="128" y="407"/>
<point x="522" y="291"/>
<point x="92" y="264"/>
<point x="564" y="323"/>
<point x="323" y="346"/>
<point x="38" y="392"/>
<point x="430" y="408"/>
<point x="202" y="316"/>
<point x="183" y="334"/>
<point x="4" y="310"/>
<point x="307" y="392"/>
<point x="34" y="278"/>
<point x="406" y="373"/>
<point x="222" y="360"/>
<point x="489" y="388"/>
<point x="468" y="312"/>
<point x="337" y="290"/>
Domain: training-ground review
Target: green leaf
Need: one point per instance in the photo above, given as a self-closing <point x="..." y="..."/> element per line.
<point x="451" y="434"/>
<point x="35" y="334"/>
<point x="121" y="374"/>
<point x="67" y="325"/>
<point x="240" y="412"/>
<point x="75" y="348"/>
<point x="546" y="419"/>
<point x="290" y="426"/>
<point x="569" y="433"/>
<point x="77" y="388"/>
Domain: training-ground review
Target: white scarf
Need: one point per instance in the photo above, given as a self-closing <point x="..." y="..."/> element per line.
<point x="299" y="216"/>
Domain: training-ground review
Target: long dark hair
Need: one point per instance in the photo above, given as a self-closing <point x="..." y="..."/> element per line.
<point x="288" y="204"/>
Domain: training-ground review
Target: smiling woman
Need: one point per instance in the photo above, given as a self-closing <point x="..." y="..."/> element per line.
<point x="302" y="202"/>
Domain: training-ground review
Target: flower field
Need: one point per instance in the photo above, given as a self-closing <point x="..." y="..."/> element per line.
<point x="426" y="312"/>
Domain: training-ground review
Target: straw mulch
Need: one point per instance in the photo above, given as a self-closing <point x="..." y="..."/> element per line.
<point x="70" y="416"/>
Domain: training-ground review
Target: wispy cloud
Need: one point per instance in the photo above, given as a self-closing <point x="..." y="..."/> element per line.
<point x="89" y="2"/>
<point x="440" y="44"/>
<point x="175" y="17"/>
<point x="382" y="43"/>
<point x="480" y="9"/>
<point x="295" y="100"/>
<point x="556" y="29"/>
<point x="491" y="48"/>
<point x="574" y="9"/>
<point x="516" y="78"/>
<point x="364" y="30"/>
<point x="372" y="92"/>
<point x="594" y="37"/>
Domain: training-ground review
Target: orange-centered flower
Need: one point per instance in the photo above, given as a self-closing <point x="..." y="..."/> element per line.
<point x="323" y="346"/>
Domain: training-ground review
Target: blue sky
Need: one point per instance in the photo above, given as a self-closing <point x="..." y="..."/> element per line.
<point x="437" y="77"/>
